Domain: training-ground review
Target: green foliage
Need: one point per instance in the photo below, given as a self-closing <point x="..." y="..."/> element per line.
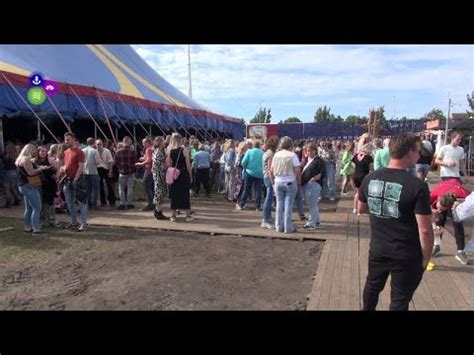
<point x="322" y="114"/>
<point x="262" y="116"/>
<point x="435" y="114"/>
<point x="292" y="119"/>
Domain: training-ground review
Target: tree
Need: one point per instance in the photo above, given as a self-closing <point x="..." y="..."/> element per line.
<point x="381" y="112"/>
<point x="435" y="114"/>
<point x="336" y="119"/>
<point x="292" y="119"/>
<point x="323" y="114"/>
<point x="262" y="116"/>
<point x="470" y="100"/>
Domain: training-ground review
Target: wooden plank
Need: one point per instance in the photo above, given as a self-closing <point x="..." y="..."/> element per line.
<point x="344" y="301"/>
<point x="422" y="299"/>
<point x="355" y="296"/>
<point x="434" y="285"/>
<point x="462" y="282"/>
<point x="363" y="258"/>
<point x="328" y="277"/>
<point x="316" y="291"/>
<point x="335" y="293"/>
<point x="452" y="294"/>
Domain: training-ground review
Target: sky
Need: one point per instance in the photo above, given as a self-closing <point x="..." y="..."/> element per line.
<point x="294" y="80"/>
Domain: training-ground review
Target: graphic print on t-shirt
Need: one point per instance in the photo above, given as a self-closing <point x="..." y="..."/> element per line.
<point x="384" y="201"/>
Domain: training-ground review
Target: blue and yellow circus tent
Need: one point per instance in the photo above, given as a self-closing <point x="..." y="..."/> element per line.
<point x="110" y="85"/>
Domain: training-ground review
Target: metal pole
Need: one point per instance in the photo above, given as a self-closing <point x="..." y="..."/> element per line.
<point x="469" y="156"/>
<point x="447" y="121"/>
<point x="95" y="132"/>
<point x="190" y="94"/>
<point x="116" y="134"/>
<point x="135" y="136"/>
<point x="150" y="130"/>
<point x="393" y="108"/>
<point x="38" y="129"/>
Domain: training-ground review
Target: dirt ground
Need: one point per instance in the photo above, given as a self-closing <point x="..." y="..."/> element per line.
<point x="130" y="269"/>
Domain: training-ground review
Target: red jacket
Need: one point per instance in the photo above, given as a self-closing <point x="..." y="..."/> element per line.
<point x="451" y="185"/>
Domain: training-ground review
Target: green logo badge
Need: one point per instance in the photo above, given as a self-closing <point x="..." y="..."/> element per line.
<point x="36" y="96"/>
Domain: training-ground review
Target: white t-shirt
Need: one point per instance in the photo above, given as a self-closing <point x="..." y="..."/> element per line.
<point x="449" y="153"/>
<point x="92" y="160"/>
<point x="105" y="159"/>
<point x="289" y="178"/>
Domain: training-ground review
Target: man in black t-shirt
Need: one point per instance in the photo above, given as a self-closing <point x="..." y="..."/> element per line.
<point x="400" y="223"/>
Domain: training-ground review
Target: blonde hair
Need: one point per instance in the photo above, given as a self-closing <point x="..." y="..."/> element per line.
<point x="176" y="140"/>
<point x="61" y="149"/>
<point x="363" y="140"/>
<point x="25" y="153"/>
<point x="242" y="147"/>
<point x="158" y="141"/>
<point x="53" y="149"/>
<point x="227" y="145"/>
<point x="366" y="148"/>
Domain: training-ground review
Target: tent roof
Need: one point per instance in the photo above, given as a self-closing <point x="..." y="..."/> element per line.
<point x="116" y="68"/>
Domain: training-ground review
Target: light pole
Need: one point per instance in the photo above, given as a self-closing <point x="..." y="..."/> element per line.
<point x="447" y="120"/>
<point x="393" y="117"/>
<point x="190" y="93"/>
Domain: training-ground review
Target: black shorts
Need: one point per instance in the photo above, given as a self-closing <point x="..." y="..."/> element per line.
<point x="358" y="180"/>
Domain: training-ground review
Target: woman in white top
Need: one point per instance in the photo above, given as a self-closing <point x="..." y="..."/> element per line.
<point x="286" y="174"/>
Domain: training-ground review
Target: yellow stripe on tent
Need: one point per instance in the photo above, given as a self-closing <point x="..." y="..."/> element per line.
<point x="126" y="86"/>
<point x="139" y="78"/>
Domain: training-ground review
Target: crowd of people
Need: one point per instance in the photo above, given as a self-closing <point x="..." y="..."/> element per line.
<point x="388" y="179"/>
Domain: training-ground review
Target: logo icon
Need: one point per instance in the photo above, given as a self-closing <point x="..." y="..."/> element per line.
<point x="36" y="79"/>
<point x="36" y="96"/>
<point x="50" y="87"/>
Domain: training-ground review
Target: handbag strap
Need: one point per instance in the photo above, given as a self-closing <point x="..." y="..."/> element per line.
<point x="177" y="160"/>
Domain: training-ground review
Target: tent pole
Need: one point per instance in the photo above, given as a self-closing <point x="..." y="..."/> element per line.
<point x="38" y="129"/>
<point x="150" y="130"/>
<point x="95" y="132"/>
<point x="122" y="123"/>
<point x="29" y="107"/>
<point x="116" y="133"/>
<point x="135" y="135"/>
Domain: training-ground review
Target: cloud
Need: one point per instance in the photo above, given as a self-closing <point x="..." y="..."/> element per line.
<point x="269" y="72"/>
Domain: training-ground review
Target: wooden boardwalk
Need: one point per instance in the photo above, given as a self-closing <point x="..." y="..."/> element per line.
<point x="342" y="271"/>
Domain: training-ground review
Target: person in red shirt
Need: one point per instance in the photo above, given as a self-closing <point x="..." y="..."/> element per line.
<point x="74" y="185"/>
<point x="442" y="198"/>
<point x="147" y="162"/>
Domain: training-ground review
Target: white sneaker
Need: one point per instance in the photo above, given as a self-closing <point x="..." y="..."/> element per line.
<point x="173" y="219"/>
<point x="266" y="225"/>
<point x="82" y="227"/>
<point x="189" y="219"/>
<point x="332" y="199"/>
<point x="354" y="211"/>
